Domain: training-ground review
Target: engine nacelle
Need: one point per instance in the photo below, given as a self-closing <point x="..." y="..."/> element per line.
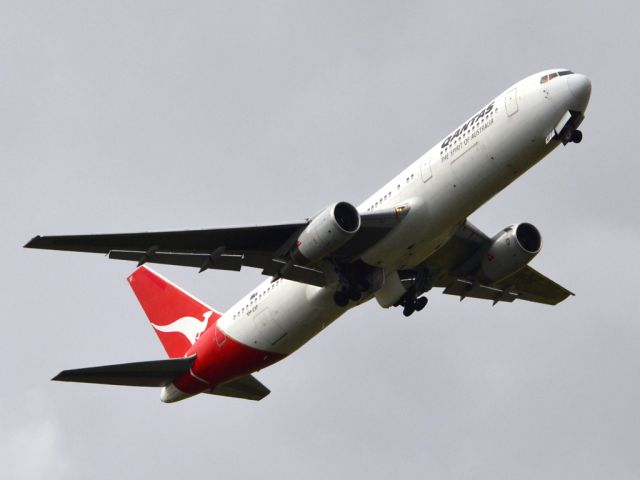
<point x="327" y="231"/>
<point x="510" y="250"/>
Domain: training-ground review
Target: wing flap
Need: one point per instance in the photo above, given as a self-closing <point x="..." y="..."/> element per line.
<point x="526" y="284"/>
<point x="297" y="273"/>
<point x="155" y="373"/>
<point x="464" y="289"/>
<point x="203" y="261"/>
<point x="532" y="286"/>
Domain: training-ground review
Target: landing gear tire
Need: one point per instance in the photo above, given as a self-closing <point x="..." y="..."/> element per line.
<point x="421" y="303"/>
<point x="570" y="136"/>
<point x="341" y="299"/>
<point x="576" y="136"/>
<point x="354" y="294"/>
<point x="411" y="305"/>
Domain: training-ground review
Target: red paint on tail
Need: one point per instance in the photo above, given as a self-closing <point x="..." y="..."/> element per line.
<point x="178" y="318"/>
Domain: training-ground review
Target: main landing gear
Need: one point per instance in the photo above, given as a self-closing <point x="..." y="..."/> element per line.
<point x="411" y="301"/>
<point x="413" y="305"/>
<point x="355" y="280"/>
<point x="346" y="294"/>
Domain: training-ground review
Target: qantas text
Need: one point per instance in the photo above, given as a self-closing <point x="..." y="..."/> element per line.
<point x="469" y="123"/>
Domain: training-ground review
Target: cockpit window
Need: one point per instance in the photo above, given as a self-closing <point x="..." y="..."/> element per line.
<point x="546" y="78"/>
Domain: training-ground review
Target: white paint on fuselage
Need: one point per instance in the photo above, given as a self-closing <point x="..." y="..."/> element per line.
<point x="480" y="163"/>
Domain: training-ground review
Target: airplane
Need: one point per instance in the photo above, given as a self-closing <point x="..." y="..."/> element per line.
<point x="409" y="237"/>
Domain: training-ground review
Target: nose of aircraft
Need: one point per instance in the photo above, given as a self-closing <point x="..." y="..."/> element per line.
<point x="580" y="88"/>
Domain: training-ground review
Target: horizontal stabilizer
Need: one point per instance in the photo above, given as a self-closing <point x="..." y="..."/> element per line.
<point x="247" y="387"/>
<point x="156" y="373"/>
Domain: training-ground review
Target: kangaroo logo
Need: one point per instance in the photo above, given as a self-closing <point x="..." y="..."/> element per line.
<point x="190" y="327"/>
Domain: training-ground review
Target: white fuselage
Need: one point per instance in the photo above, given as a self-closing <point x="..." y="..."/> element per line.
<point x="442" y="188"/>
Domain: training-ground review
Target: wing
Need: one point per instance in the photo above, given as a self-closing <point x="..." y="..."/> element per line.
<point x="262" y="247"/>
<point x="453" y="268"/>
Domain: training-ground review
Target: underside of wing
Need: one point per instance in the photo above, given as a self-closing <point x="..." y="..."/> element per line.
<point x="526" y="284"/>
<point x="456" y="269"/>
<point x="206" y="241"/>
<point x="532" y="286"/>
<point x="265" y="247"/>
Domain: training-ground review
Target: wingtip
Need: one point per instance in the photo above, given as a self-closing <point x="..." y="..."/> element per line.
<point x="262" y="393"/>
<point x="32" y="243"/>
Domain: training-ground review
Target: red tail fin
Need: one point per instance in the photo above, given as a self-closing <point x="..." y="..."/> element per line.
<point x="178" y="318"/>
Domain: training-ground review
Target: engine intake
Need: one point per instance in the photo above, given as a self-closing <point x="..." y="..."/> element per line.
<point x="510" y="250"/>
<point x="326" y="232"/>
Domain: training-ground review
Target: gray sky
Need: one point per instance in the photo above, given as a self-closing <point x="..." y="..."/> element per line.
<point x="129" y="116"/>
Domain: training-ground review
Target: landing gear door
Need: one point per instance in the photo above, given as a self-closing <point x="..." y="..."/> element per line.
<point x="425" y="167"/>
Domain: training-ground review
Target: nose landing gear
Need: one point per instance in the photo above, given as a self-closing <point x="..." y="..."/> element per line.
<point x="574" y="136"/>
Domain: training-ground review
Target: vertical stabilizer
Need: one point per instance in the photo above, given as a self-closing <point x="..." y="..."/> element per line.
<point x="177" y="317"/>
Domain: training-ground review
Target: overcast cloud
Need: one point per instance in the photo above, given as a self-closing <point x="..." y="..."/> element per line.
<point x="129" y="116"/>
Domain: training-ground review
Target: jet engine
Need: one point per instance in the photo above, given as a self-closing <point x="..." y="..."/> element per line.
<point x="511" y="249"/>
<point x="327" y="231"/>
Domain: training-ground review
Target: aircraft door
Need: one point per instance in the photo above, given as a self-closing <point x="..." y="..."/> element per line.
<point x="511" y="102"/>
<point x="268" y="329"/>
<point x="425" y="167"/>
